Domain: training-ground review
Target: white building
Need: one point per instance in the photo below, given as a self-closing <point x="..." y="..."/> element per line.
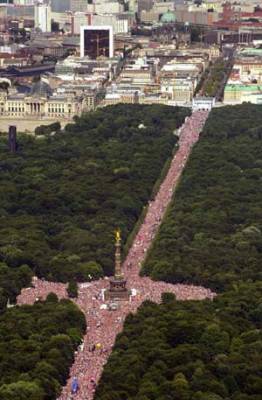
<point x="78" y="5"/>
<point x="119" y="25"/>
<point x="43" y="17"/>
<point x="80" y="19"/>
<point x="109" y="7"/>
<point x="24" y="2"/>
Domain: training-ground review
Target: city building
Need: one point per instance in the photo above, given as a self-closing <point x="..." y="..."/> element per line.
<point x="180" y="91"/>
<point x="144" y="5"/>
<point x="120" y="96"/>
<point x="78" y="5"/>
<point x="65" y="20"/>
<point x="43" y="17"/>
<point x="79" y="19"/>
<point x="61" y="6"/>
<point x="239" y="93"/>
<point x="168" y="77"/>
<point x="40" y="103"/>
<point x="108" y="7"/>
<point x="248" y="64"/>
<point x="46" y="46"/>
<point x="119" y="25"/>
<point x="245" y="81"/>
<point x="21" y="16"/>
<point x="84" y="68"/>
<point x="196" y="14"/>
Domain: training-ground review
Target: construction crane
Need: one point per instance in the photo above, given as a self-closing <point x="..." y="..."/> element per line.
<point x="97" y="40"/>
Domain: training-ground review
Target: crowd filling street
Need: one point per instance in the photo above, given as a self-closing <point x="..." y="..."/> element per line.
<point x="103" y="323"/>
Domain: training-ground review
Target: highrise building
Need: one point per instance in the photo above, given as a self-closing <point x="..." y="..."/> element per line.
<point x="78" y="5"/>
<point x="119" y="25"/>
<point x="80" y="19"/>
<point x="23" y="2"/>
<point x="69" y="5"/>
<point x="144" y="5"/>
<point x="43" y="17"/>
<point x="60" y="5"/>
<point x="132" y="6"/>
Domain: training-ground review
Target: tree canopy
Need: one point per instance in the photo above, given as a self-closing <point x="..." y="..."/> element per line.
<point x="37" y="345"/>
<point x="63" y="194"/>
<point x="212" y="233"/>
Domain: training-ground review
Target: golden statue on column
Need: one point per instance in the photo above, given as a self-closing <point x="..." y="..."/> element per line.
<point x="117" y="290"/>
<point x="118" y="270"/>
<point x="118" y="235"/>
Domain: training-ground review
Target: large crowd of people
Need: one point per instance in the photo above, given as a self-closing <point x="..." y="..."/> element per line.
<point x="103" y="322"/>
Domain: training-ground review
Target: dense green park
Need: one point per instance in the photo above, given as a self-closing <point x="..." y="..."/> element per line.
<point x="212" y="233"/>
<point x="37" y="345"/>
<point x="63" y="195"/>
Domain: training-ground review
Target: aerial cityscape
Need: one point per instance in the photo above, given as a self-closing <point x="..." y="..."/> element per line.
<point x="131" y="201"/>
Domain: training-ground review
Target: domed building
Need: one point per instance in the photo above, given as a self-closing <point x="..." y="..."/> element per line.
<point x="41" y="89"/>
<point x="39" y="103"/>
<point x="168" y="17"/>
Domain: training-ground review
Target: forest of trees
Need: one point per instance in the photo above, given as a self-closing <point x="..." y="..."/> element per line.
<point x="64" y="194"/>
<point x="189" y="350"/>
<point x="37" y="345"/>
<point x="212" y="233"/>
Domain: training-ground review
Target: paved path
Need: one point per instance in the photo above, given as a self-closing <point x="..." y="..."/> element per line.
<point x="27" y="125"/>
<point x="103" y="325"/>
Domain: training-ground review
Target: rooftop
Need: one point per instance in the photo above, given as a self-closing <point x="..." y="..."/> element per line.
<point x="41" y="89"/>
<point x="247" y="88"/>
<point x="251" y="51"/>
<point x="168" y="17"/>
